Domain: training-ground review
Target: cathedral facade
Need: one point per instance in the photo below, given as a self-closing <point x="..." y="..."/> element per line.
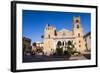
<point x="52" y="37"/>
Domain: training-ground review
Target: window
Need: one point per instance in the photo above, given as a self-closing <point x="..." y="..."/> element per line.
<point x="79" y="41"/>
<point x="79" y="45"/>
<point x="78" y="34"/>
<point x="55" y="33"/>
<point x="77" y="21"/>
<point x="77" y="26"/>
<point x="49" y="36"/>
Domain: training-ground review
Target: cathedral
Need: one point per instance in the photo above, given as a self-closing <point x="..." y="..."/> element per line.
<point x="52" y="37"/>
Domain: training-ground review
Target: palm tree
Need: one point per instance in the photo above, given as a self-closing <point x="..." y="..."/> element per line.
<point x="42" y="36"/>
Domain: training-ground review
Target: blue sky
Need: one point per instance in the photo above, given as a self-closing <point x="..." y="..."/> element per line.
<point x="34" y="22"/>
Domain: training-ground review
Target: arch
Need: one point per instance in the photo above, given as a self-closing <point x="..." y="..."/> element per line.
<point x="59" y="48"/>
<point x="59" y="43"/>
<point x="63" y="43"/>
<point x="69" y="42"/>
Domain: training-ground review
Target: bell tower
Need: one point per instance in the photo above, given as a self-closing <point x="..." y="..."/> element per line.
<point x="49" y="32"/>
<point x="79" y="41"/>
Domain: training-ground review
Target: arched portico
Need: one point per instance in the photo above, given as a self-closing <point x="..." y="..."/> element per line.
<point x="62" y="43"/>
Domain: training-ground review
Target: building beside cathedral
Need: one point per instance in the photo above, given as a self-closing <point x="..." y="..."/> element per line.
<point x="26" y="45"/>
<point x="87" y="38"/>
<point x="52" y="37"/>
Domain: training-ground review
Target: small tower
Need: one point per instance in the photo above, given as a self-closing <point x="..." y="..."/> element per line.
<point x="79" y="41"/>
<point x="49" y="31"/>
<point x="49" y="34"/>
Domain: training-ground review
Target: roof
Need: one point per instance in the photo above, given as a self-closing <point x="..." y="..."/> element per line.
<point x="65" y="32"/>
<point x="27" y="39"/>
<point x="89" y="33"/>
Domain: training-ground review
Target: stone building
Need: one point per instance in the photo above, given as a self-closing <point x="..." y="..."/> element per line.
<point x="37" y="47"/>
<point x="87" y="38"/>
<point x="26" y="45"/>
<point x="52" y="37"/>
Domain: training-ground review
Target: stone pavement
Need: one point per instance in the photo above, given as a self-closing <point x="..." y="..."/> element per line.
<point x="78" y="58"/>
<point x="39" y="58"/>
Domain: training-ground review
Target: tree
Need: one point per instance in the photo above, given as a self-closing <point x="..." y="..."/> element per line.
<point x="42" y="36"/>
<point x="70" y="48"/>
<point x="34" y="44"/>
<point x="69" y="42"/>
<point x="59" y="51"/>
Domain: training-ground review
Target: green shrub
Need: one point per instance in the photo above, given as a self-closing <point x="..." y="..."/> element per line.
<point x="59" y="51"/>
